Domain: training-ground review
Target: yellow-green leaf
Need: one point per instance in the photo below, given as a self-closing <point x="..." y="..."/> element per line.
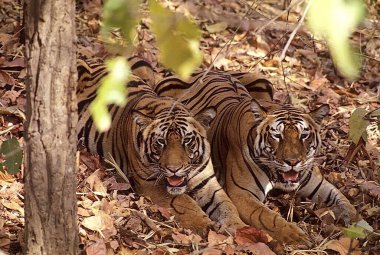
<point x="112" y="90"/>
<point x="359" y="230"/>
<point x="123" y="14"/>
<point x="177" y="39"/>
<point x="358" y="125"/>
<point x="335" y="20"/>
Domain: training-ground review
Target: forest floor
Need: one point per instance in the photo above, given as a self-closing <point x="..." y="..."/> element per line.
<point x="237" y="35"/>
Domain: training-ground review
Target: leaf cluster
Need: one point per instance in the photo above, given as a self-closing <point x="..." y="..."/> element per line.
<point x="177" y="40"/>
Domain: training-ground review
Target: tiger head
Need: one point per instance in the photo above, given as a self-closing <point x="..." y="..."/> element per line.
<point x="286" y="142"/>
<point x="173" y="145"/>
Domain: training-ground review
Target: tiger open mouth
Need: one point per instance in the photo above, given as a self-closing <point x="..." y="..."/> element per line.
<point x="175" y="181"/>
<point x="290" y="176"/>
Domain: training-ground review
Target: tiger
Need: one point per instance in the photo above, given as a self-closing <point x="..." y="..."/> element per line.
<point x="161" y="146"/>
<point x="256" y="149"/>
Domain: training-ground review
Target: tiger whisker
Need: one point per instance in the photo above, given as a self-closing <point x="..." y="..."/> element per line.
<point x="159" y="178"/>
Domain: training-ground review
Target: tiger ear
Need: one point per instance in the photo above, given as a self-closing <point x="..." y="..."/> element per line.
<point x="141" y="119"/>
<point x="258" y="110"/>
<point x="319" y="113"/>
<point x="206" y="116"/>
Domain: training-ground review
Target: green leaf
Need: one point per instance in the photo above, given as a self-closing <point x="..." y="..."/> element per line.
<point x="123" y="14"/>
<point x="358" y="230"/>
<point x="177" y="39"/>
<point x="12" y="155"/>
<point x="358" y="125"/>
<point x="335" y="20"/>
<point x="112" y="90"/>
<point x="354" y="232"/>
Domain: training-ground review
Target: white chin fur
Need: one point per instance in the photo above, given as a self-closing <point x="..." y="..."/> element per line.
<point x="176" y="190"/>
<point x="291" y="186"/>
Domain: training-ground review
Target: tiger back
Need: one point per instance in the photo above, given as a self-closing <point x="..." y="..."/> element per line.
<point x="256" y="150"/>
<point x="161" y="146"/>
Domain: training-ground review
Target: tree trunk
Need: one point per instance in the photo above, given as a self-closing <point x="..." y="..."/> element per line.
<point x="50" y="180"/>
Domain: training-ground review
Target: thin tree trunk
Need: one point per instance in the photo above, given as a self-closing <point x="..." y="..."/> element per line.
<point x="50" y="180"/>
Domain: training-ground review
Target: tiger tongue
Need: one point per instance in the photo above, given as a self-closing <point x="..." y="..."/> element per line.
<point x="175" y="181"/>
<point x="290" y="176"/>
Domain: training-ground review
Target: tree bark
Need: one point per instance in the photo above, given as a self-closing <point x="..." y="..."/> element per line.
<point x="50" y="180"/>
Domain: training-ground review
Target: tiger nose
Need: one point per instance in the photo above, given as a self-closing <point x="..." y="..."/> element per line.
<point x="174" y="168"/>
<point x="291" y="162"/>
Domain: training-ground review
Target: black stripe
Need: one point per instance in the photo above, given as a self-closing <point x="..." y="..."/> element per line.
<point x="306" y="180"/>
<point x="328" y="197"/>
<point x="253" y="194"/>
<point x="141" y="63"/>
<point x="315" y="190"/>
<point x="201" y="185"/>
<point x="334" y="200"/>
<point x="211" y="201"/>
<point x="216" y="207"/>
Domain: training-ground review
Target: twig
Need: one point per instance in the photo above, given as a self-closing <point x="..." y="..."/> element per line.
<point x="259" y="30"/>
<point x="307" y="252"/>
<point x="148" y="221"/>
<point x="282" y="56"/>
<point x="369" y="57"/>
<point x="110" y="160"/>
<point x="2" y="132"/>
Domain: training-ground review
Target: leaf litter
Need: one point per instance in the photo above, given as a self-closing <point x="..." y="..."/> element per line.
<point x="114" y="220"/>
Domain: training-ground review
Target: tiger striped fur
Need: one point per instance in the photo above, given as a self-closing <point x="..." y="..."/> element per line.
<point x="161" y="147"/>
<point x="256" y="150"/>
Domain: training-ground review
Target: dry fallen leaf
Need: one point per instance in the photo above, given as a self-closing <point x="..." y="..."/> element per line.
<point x="257" y="249"/>
<point x="98" y="248"/>
<point x="6" y="78"/>
<point x="325" y="215"/>
<point x="165" y="212"/>
<point x="101" y="223"/>
<point x="17" y="63"/>
<point x="217" y="27"/>
<point x="181" y="238"/>
<point x="13" y="206"/>
<point x="215" y="239"/>
<point x="96" y="184"/>
<point x="250" y="235"/>
<point x="344" y="246"/>
<point x="372" y="188"/>
<point x="212" y="251"/>
<point x="83" y="212"/>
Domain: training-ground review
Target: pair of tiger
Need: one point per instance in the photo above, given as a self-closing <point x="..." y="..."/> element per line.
<point x="167" y="134"/>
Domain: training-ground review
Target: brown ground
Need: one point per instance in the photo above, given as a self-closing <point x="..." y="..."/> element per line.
<point x="114" y="220"/>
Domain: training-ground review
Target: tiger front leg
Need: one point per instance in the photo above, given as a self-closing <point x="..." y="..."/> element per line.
<point x="242" y="188"/>
<point x="255" y="213"/>
<point x="211" y="197"/>
<point x="319" y="190"/>
<point x="185" y="210"/>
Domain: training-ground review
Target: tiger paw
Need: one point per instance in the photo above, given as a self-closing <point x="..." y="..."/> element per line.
<point x="346" y="213"/>
<point x="291" y="234"/>
<point x="231" y="226"/>
<point x="201" y="224"/>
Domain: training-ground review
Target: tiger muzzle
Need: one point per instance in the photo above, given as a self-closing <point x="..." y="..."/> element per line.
<point x="174" y="161"/>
